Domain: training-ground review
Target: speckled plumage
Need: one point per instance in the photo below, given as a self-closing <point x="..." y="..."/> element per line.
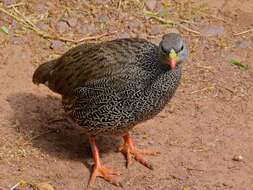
<point x="109" y="87"/>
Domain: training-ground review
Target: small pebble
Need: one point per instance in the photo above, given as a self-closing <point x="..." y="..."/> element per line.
<point x="62" y="27"/>
<point x="56" y="44"/>
<point x="13" y="24"/>
<point x="212" y="30"/>
<point x="155" y="30"/>
<point x="164" y="11"/>
<point x="151" y="4"/>
<point x="237" y="158"/>
<point x="243" y="44"/>
<point x="16" y="40"/>
<point x="41" y="8"/>
<point x="87" y="29"/>
<point x="9" y="2"/>
<point x="103" y="19"/>
<point x="151" y="142"/>
<point x="101" y="2"/>
<point x="42" y="26"/>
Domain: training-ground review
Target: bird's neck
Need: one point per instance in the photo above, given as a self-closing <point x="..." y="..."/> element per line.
<point x="159" y="91"/>
<point x="167" y="82"/>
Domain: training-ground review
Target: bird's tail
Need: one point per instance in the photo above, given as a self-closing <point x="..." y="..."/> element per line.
<point x="43" y="72"/>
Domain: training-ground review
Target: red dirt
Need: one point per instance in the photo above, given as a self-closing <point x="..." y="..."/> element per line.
<point x="207" y="123"/>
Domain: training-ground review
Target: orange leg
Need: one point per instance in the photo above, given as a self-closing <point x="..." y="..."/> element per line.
<point x="98" y="169"/>
<point x="130" y="151"/>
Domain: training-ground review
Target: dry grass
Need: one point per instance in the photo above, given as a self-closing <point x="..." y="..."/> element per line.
<point x="173" y="14"/>
<point x="13" y="12"/>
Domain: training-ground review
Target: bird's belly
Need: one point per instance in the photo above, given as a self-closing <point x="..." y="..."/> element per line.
<point x="115" y="116"/>
<point x="116" y="112"/>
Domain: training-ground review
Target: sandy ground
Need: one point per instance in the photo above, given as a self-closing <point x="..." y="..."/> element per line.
<point x="205" y="127"/>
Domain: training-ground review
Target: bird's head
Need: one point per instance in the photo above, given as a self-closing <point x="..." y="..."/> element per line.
<point x="173" y="49"/>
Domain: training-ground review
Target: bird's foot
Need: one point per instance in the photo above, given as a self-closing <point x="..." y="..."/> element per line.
<point x="99" y="170"/>
<point x="104" y="172"/>
<point x="130" y="151"/>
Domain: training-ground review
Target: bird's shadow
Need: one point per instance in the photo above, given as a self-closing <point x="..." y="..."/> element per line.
<point x="59" y="139"/>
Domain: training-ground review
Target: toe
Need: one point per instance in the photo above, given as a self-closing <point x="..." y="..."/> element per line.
<point x="148" y="152"/>
<point x="105" y="173"/>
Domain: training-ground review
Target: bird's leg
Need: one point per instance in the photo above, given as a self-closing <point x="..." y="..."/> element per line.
<point x="98" y="169"/>
<point x="130" y="151"/>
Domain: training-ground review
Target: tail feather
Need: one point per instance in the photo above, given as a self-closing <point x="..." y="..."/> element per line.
<point x="43" y="72"/>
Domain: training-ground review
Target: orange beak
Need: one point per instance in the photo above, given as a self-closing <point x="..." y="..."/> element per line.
<point x="173" y="59"/>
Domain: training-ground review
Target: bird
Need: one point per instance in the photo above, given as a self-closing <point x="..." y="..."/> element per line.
<point x="109" y="87"/>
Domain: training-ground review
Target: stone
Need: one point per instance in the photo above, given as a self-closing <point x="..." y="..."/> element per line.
<point x="9" y="2"/>
<point x="87" y="28"/>
<point x="151" y="4"/>
<point x="237" y="158"/>
<point x="41" y="25"/>
<point x="243" y="44"/>
<point x="212" y="30"/>
<point x="56" y="44"/>
<point x="62" y="27"/>
<point x="103" y="19"/>
<point x="102" y="2"/>
<point x="15" y="40"/>
<point x="41" y="8"/>
<point x="155" y="30"/>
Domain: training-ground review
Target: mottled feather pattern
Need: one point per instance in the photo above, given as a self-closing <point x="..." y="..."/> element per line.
<point x="92" y="61"/>
<point x="108" y="88"/>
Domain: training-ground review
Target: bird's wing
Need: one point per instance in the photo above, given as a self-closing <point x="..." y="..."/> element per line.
<point x="88" y="63"/>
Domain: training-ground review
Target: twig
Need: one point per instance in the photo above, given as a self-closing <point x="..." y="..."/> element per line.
<point x="208" y="68"/>
<point x="119" y="4"/>
<point x="25" y="19"/>
<point x="165" y="21"/>
<point x="21" y="183"/>
<point x="175" y="177"/>
<point x="187" y="21"/>
<point x="158" y="18"/>
<point x="243" y="32"/>
<point x="13" y="16"/>
<point x="196" y="169"/>
<point x="188" y="29"/>
<point x="87" y="38"/>
<point x="226" y="88"/>
<point x="215" y="17"/>
<point x="203" y="89"/>
<point x="16" y="5"/>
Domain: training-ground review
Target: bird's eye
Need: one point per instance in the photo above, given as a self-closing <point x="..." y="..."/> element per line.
<point x="182" y="48"/>
<point x="163" y="49"/>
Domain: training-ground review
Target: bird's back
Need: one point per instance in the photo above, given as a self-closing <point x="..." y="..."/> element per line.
<point x="89" y="62"/>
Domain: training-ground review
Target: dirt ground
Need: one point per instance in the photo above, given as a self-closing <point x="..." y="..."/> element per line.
<point x="205" y="134"/>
